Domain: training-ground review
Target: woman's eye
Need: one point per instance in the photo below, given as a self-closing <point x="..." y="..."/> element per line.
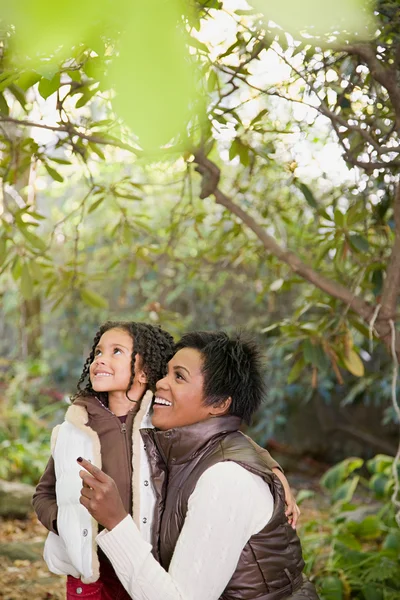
<point x="179" y="376"/>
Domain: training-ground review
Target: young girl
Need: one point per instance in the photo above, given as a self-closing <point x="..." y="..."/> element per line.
<point x="103" y="424"/>
<point x="104" y="420"/>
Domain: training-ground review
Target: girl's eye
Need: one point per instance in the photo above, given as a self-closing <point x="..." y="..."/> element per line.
<point x="97" y="352"/>
<point x="117" y="351"/>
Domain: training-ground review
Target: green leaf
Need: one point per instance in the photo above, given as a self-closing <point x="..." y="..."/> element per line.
<point x="296" y="370"/>
<point x="313" y="354"/>
<point x="16" y="268"/>
<point x="332" y="588"/>
<point x="381" y="463"/>
<point x="339" y="218"/>
<point x="369" y="528"/>
<point x="372" y="592"/>
<point x="4" y="109"/>
<point x="53" y="173"/>
<point x="93" y="299"/>
<point x="95" y="205"/>
<point x="96" y="149"/>
<point x="259" y="117"/>
<point x="308" y="195"/>
<point x="358" y="242"/>
<point x="47" y="87"/>
<point x="84" y="99"/>
<point x="392" y="541"/>
<point x="229" y="51"/>
<point x="379" y="484"/>
<point x="60" y="161"/>
<point x="6" y="79"/>
<point x="18" y="94"/>
<point x="33" y="239"/>
<point x="197" y="44"/>
<point x="349" y="540"/>
<point x="234" y="149"/>
<point x="355" y="214"/>
<point x="304" y="495"/>
<point x="212" y="80"/>
<point x="337" y="474"/>
<point x="27" y="79"/>
<point x="345" y="492"/>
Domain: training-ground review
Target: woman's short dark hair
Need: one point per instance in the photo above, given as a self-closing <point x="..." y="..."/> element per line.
<point x="232" y="366"/>
<point x="154" y="345"/>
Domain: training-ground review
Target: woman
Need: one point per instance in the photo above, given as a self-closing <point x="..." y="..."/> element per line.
<point x="219" y="527"/>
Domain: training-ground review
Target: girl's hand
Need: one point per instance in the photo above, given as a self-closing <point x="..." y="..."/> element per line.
<point x="292" y="510"/>
<point x="100" y="496"/>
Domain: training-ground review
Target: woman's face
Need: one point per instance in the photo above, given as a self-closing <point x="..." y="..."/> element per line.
<point x="179" y="397"/>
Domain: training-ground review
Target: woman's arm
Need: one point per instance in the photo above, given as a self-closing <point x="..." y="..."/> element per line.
<point x="227" y="507"/>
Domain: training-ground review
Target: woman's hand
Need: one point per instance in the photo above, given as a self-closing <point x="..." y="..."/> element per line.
<point x="100" y="496"/>
<point x="292" y="510"/>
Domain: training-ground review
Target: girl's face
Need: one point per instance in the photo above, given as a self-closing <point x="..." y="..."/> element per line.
<point x="110" y="370"/>
<point x="179" y="397"/>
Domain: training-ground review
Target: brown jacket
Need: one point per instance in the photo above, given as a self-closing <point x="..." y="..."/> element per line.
<point x="270" y="566"/>
<point x="116" y="457"/>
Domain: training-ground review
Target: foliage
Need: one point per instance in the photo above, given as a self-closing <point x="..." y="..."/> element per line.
<point x="27" y="408"/>
<point x="269" y="233"/>
<point x="353" y="551"/>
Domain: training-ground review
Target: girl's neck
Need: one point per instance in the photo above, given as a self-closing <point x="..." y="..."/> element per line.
<point x="120" y="405"/>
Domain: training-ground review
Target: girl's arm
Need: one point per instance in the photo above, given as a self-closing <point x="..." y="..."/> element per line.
<point x="227" y="507"/>
<point x="44" y="499"/>
<point x="292" y="510"/>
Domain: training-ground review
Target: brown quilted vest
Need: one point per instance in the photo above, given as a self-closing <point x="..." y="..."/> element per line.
<point x="270" y="566"/>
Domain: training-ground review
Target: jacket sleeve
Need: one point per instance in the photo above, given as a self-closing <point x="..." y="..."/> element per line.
<point x="265" y="455"/>
<point x="44" y="499"/>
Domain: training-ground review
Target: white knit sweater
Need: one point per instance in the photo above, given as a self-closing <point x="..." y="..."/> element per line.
<point x="228" y="505"/>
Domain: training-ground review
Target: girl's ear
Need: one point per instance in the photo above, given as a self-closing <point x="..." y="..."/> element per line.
<point x="217" y="410"/>
<point x="142" y="377"/>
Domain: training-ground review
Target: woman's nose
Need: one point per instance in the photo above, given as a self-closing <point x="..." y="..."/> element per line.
<point x="161" y="383"/>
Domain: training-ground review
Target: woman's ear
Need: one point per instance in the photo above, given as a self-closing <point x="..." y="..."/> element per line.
<point x="217" y="410"/>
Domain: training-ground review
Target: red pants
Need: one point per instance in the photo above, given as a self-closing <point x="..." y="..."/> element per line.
<point x="108" y="587"/>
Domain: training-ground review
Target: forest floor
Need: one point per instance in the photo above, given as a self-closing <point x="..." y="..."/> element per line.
<point x="24" y="574"/>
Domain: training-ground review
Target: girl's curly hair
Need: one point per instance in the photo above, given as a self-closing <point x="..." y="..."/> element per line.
<point x="154" y="345"/>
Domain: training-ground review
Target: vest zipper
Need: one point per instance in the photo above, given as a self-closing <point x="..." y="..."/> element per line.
<point x="123" y="428"/>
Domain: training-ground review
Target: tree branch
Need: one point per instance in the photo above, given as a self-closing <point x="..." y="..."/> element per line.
<point x="211" y="176"/>
<point x="391" y="286"/>
<point x="70" y="130"/>
<point x="387" y="77"/>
